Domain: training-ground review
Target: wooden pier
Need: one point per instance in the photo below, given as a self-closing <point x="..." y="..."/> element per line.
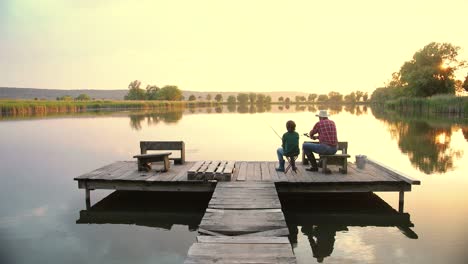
<point x="244" y="221"/>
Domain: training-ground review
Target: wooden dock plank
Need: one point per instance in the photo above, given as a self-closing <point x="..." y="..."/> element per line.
<point x="265" y="171"/>
<point x="243" y="240"/>
<point x="195" y="168"/>
<point x="210" y="170"/>
<point x="240" y="253"/>
<point x="114" y="171"/>
<point x="229" y="168"/>
<point x="242" y="171"/>
<point x="96" y="172"/>
<point x="257" y="171"/>
<point x="221" y="167"/>
<point x="273" y="172"/>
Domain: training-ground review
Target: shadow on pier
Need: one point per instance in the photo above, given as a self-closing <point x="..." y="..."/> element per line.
<point x="151" y="209"/>
<point x="320" y="216"/>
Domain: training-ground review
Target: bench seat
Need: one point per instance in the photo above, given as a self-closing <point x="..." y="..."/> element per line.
<point x="145" y="160"/>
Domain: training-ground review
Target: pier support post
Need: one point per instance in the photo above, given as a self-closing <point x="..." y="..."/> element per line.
<point x="401" y="201"/>
<point x="88" y="198"/>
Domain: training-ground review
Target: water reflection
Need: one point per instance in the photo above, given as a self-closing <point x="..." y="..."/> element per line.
<point x="154" y="118"/>
<point x="151" y="209"/>
<point x="427" y="142"/>
<point x="320" y="217"/>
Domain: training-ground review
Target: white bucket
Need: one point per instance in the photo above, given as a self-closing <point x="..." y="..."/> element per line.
<point x="361" y="161"/>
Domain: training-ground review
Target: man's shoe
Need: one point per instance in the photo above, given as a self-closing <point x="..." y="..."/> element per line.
<point x="327" y="171"/>
<point x="311" y="169"/>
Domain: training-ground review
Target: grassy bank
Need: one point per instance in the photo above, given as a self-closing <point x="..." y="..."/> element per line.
<point x="442" y="104"/>
<point x="32" y="107"/>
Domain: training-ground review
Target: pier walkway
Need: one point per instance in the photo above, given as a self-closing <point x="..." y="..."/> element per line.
<point x="244" y="223"/>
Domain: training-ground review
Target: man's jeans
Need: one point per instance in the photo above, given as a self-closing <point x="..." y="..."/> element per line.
<point x="310" y="148"/>
<point x="323" y="149"/>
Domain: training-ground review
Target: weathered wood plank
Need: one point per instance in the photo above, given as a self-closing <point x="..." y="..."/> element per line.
<point x="265" y="171"/>
<point x="208" y="232"/>
<point x="229" y="168"/>
<point x="273" y="173"/>
<point x="269" y="233"/>
<point x="242" y="221"/>
<point x="242" y="171"/>
<point x="243" y="240"/>
<point x="240" y="253"/>
<point x="195" y="168"/>
<point x="394" y="173"/>
<point x="210" y="170"/>
<point x="220" y="168"/>
<point x="257" y="173"/>
<point x="96" y="172"/>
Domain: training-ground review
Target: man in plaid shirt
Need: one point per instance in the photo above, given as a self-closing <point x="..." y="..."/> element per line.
<point x="328" y="140"/>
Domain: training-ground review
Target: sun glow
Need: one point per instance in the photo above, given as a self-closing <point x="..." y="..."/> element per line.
<point x="441" y="138"/>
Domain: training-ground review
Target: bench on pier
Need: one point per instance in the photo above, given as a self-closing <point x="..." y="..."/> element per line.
<point x="145" y="160"/>
<point x="165" y="145"/>
<point x="335" y="159"/>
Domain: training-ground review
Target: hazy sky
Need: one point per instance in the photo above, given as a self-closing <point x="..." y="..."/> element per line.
<point x="309" y="46"/>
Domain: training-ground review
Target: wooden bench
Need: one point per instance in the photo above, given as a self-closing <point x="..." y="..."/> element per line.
<point x="165" y="145"/>
<point x="145" y="160"/>
<point x="335" y="159"/>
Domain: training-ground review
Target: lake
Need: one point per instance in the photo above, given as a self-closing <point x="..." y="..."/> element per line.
<point x="42" y="218"/>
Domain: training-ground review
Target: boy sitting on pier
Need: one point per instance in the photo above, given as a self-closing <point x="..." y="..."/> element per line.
<point x="290" y="146"/>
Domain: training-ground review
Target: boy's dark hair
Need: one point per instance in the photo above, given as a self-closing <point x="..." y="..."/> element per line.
<point x="291" y="126"/>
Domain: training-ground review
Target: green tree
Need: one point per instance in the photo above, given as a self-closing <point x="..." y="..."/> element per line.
<point x="281" y="99"/>
<point x="465" y="83"/>
<point x="170" y="93"/>
<point x="287" y="100"/>
<point x="322" y="98"/>
<point x="261" y="99"/>
<point x="365" y="97"/>
<point x="350" y="98"/>
<point x="208" y="97"/>
<point x="311" y="97"/>
<point x="66" y="98"/>
<point x="431" y="71"/>
<point x="192" y="97"/>
<point x="359" y="95"/>
<point x="252" y="97"/>
<point x="267" y="99"/>
<point x="219" y="98"/>
<point x="242" y="98"/>
<point x="83" y="97"/>
<point x="135" y="92"/>
<point x="335" y="97"/>
<point x="231" y="99"/>
<point x="152" y="92"/>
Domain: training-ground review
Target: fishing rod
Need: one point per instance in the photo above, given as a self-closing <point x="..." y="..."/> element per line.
<point x="276" y="132"/>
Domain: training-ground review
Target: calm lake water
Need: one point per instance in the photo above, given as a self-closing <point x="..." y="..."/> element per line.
<point x="41" y="208"/>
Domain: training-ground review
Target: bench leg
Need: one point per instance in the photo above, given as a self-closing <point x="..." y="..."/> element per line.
<point x="324" y="166"/>
<point x="344" y="170"/>
<point x="305" y="161"/>
<point x="401" y="201"/>
<point x="167" y="164"/>
<point x="88" y="198"/>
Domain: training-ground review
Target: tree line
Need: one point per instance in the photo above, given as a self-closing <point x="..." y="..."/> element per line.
<point x="153" y="92"/>
<point x="258" y="98"/>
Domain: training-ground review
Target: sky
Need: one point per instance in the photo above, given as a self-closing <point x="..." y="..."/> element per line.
<point x="215" y="45"/>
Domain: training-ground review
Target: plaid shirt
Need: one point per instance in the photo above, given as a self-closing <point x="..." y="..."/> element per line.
<point x="327" y="132"/>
